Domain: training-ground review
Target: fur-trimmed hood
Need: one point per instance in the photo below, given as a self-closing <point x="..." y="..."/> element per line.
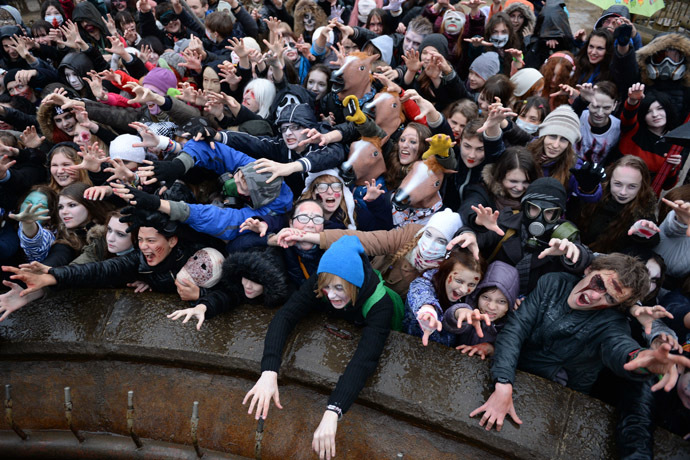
<point x="308" y="6"/>
<point x="44" y="116"/>
<point x="527" y="13"/>
<point x="262" y="265"/>
<point x="495" y="188"/>
<point x="96" y="232"/>
<point x="676" y="41"/>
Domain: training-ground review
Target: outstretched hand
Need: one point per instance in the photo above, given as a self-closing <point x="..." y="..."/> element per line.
<point x="465" y="240"/>
<point x="659" y="361"/>
<point x="647" y="315"/>
<point x="429" y="324"/>
<point x="483" y="350"/>
<point x="495" y="409"/>
<point x="198" y="312"/>
<point x="561" y="247"/>
<point x="265" y="389"/>
<point x="473" y="318"/>
<point x="488" y="219"/>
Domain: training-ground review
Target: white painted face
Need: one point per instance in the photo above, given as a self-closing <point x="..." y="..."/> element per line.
<point x="317" y="83"/>
<point x="252" y="290"/>
<point x="73" y="79"/>
<point x="117" y="237"/>
<point x="336" y="293"/>
<point x="654" y="270"/>
<point x="600" y="108"/>
<point x="72" y="213"/>
<point x="625" y="184"/>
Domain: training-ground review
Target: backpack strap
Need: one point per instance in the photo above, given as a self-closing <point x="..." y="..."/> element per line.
<point x="398" y="305"/>
<point x="508" y="234"/>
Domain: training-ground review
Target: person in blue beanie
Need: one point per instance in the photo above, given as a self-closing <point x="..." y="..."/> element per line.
<point x="346" y="287"/>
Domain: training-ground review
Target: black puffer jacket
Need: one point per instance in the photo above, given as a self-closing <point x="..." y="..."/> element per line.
<point x="264" y="266"/>
<point x="124" y="269"/>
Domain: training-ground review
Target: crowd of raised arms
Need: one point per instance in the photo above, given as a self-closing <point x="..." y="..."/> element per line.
<point x="472" y="174"/>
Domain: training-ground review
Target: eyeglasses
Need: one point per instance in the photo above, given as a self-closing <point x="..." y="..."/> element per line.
<point x="335" y="186"/>
<point x="551" y="215"/>
<point x="292" y="127"/>
<point x="304" y="219"/>
<point x="597" y="284"/>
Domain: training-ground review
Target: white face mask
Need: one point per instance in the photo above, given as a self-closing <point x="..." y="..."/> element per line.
<point x="431" y="247"/>
<point x="52" y="19"/>
<point x="530" y="128"/>
<point x="73" y="80"/>
<point x="499" y="40"/>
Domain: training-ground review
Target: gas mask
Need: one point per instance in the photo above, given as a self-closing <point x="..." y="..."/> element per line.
<point x="666" y="65"/>
<point x="542" y="219"/>
<point x="309" y="22"/>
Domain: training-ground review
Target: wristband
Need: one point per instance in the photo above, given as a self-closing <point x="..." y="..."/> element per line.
<point x="631" y="357"/>
<point x="163" y="143"/>
<point x="335" y="409"/>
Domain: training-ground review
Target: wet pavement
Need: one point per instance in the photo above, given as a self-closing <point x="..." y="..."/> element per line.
<point x="103" y="343"/>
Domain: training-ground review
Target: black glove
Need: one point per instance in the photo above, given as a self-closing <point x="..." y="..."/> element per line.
<point x="589" y="176"/>
<point x="169" y="171"/>
<point x="623" y="33"/>
<point x="138" y="217"/>
<point x="145" y="200"/>
<point x="199" y="125"/>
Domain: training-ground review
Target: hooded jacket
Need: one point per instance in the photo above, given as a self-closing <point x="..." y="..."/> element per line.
<point x="484" y="193"/>
<point x="7" y="63"/>
<point x="526" y="11"/>
<point x="678" y="91"/>
<point x="264" y="266"/>
<point x="376" y="327"/>
<point x="85" y="11"/>
<point x="499" y="275"/>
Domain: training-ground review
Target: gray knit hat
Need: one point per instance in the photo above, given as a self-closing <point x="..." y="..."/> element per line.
<point x="563" y="121"/>
<point x="486" y="65"/>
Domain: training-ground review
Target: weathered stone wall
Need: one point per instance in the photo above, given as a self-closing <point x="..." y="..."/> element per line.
<point x="104" y="343"/>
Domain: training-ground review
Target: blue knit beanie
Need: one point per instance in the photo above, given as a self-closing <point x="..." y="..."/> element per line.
<point x="344" y="259"/>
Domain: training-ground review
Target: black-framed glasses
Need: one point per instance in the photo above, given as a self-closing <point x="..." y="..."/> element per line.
<point x="335" y="186"/>
<point x="551" y="215"/>
<point x="292" y="127"/>
<point x="304" y="219"/>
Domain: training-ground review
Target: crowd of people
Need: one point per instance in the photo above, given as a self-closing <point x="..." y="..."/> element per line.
<point x="472" y="174"/>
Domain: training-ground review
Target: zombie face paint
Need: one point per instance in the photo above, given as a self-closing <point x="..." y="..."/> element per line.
<point x="155" y="247"/>
<point x="460" y="282"/>
<point x="119" y="241"/>
<point x="202" y="269"/>
<point x="73" y="79"/>
<point x="309" y="22"/>
<point x="336" y="293"/>
<point x="35" y="199"/>
<point x="598" y="290"/>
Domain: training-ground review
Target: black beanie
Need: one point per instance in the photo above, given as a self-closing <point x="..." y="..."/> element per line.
<point x="9" y="76"/>
<point x="437" y="41"/>
<point x="546" y="189"/>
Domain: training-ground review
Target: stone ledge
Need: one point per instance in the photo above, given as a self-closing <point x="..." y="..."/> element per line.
<point x="433" y="386"/>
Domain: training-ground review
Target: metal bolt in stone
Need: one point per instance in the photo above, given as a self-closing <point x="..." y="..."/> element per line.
<point x="68" y="415"/>
<point x="130" y="419"/>
<point x="8" y="413"/>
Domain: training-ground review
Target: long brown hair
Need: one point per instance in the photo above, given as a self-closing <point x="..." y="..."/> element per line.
<point x="395" y="171"/>
<point x="565" y="75"/>
<point x="97" y="211"/>
<point x="459" y="256"/>
<point x="584" y="69"/>
<point x="561" y="168"/>
<point x="70" y="154"/>
<point x="640" y="207"/>
<point x="327" y="179"/>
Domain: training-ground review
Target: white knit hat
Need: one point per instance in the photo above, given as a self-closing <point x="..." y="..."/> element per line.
<point x="121" y="147"/>
<point x="524" y="79"/>
<point x="447" y="222"/>
<point x="563" y="121"/>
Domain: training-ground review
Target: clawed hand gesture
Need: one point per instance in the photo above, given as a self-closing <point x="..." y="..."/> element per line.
<point x="483" y="350"/>
<point x="465" y="240"/>
<point x="30" y="138"/>
<point x="561" y="247"/>
<point x="429" y="324"/>
<point x="473" y="318"/>
<point x="374" y="190"/>
<point x="488" y="218"/>
<point x="198" y="312"/>
<point x="647" y="315"/>
<point x="254" y="225"/>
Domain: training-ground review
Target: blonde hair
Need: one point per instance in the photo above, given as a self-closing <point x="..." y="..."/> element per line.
<point x="329" y="278"/>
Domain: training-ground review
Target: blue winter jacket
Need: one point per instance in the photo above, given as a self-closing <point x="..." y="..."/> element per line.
<point x="224" y="223"/>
